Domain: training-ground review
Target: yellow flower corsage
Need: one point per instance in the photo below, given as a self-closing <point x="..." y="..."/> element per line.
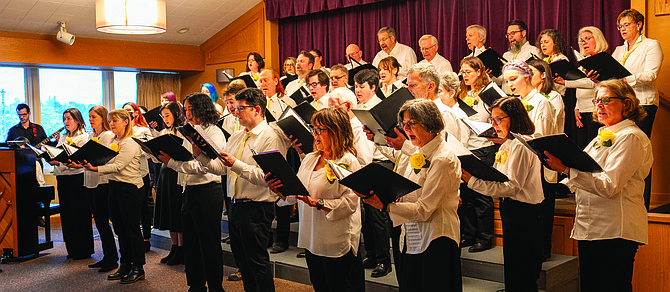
<point x="527" y="106"/>
<point x="501" y="157"/>
<point x="95" y="139"/>
<point x="330" y="175"/>
<point x="114" y="147"/>
<point x="605" y="138"/>
<point x="255" y="77"/>
<point x="68" y="141"/>
<point x="470" y="101"/>
<point x="418" y="161"/>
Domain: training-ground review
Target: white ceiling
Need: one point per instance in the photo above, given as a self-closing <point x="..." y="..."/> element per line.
<point x="204" y="18"/>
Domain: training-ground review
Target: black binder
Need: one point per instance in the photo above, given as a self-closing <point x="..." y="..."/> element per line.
<point x="54" y="153"/>
<point x="563" y="148"/>
<point x="301" y="95"/>
<point x="279" y="168"/>
<point x="169" y="144"/>
<point x="94" y="153"/>
<point x="248" y="80"/>
<point x="295" y="127"/>
<point x="605" y="65"/>
<point x="492" y="61"/>
<point x="382" y="118"/>
<point x="566" y="70"/>
<point x="219" y="124"/>
<point x="289" y="77"/>
<point x="386" y="184"/>
<point x="480" y="169"/>
<point x="200" y="141"/>
<point x="305" y="110"/>
<point x="491" y="93"/>
<point x="465" y="107"/>
<point x="360" y="68"/>
<point x="155" y="116"/>
<point x="484" y="130"/>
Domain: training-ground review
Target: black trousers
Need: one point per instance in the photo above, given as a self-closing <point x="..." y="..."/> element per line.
<point x="201" y="219"/>
<point x="438" y="268"/>
<point x="147" y="208"/>
<point x="100" y="196"/>
<point x="476" y="212"/>
<point x="283" y="215"/>
<point x="589" y="131"/>
<point x="376" y="234"/>
<point x="125" y="208"/>
<point x="547" y="208"/>
<point x="646" y="126"/>
<point x="606" y="265"/>
<point x="75" y="215"/>
<point x="250" y="233"/>
<point x="521" y="244"/>
<point x="343" y="274"/>
<point x="397" y="255"/>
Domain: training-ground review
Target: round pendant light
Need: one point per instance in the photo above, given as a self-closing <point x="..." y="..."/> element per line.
<point x="130" y="16"/>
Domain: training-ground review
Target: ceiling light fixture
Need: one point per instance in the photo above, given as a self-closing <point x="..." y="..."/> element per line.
<point x="183" y="30"/>
<point x="130" y="16"/>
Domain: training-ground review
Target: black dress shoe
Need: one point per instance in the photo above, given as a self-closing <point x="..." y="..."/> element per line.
<point x="466" y="242"/>
<point x="98" y="264"/>
<point x="300" y="255"/>
<point x="135" y="275"/>
<point x="173" y="250"/>
<point x="123" y="271"/>
<point x="477" y="247"/>
<point x="109" y="266"/>
<point x="147" y="246"/>
<point x="278" y="248"/>
<point x="381" y="270"/>
<point x="369" y="263"/>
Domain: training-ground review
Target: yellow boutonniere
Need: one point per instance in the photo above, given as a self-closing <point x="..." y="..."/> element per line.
<point x="418" y="161"/>
<point x="255" y="77"/>
<point x="527" y="106"/>
<point x="95" y="139"/>
<point x="69" y="141"/>
<point x="470" y="101"/>
<point x="501" y="157"/>
<point x="114" y="147"/>
<point x="330" y="175"/>
<point x="605" y="138"/>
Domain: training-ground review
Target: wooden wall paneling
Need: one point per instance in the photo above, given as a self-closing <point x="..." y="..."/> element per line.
<point x="652" y="261"/>
<point x="8" y="231"/>
<point x="233" y="43"/>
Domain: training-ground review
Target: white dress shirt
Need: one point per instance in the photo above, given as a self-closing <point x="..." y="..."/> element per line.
<point x="91" y="178"/>
<point x="556" y="101"/>
<point x="542" y="115"/>
<point x="329" y="234"/>
<point x="143" y="133"/>
<point x="231" y="124"/>
<point x="294" y="85"/>
<point x="364" y="147"/>
<point x="441" y="63"/>
<point x="374" y="100"/>
<point x="196" y="174"/>
<point x="430" y="212"/>
<point x="482" y="115"/>
<point x="352" y="65"/>
<point x="250" y="177"/>
<point x="585" y="92"/>
<point x="78" y="140"/>
<point x="610" y="204"/>
<point x="321" y="103"/>
<point x="523" y="170"/>
<point x="390" y="89"/>
<point x="644" y="64"/>
<point x="276" y="106"/>
<point x="477" y="51"/>
<point x="125" y="167"/>
<point x="405" y="56"/>
<point x="523" y="54"/>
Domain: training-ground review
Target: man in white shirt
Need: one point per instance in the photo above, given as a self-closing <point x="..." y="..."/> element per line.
<point x="354" y="57"/>
<point x="428" y="45"/>
<point x="276" y="102"/>
<point x="252" y="207"/>
<point x="366" y="84"/>
<point x="519" y="47"/>
<point x="475" y="37"/>
<point x="318" y="82"/>
<point x="303" y="65"/>
<point x="404" y="54"/>
<point x="339" y="76"/>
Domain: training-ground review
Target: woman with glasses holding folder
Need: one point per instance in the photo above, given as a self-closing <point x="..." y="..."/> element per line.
<point x="430" y="226"/>
<point x="610" y="217"/>
<point x="520" y="196"/>
<point x="330" y="218"/>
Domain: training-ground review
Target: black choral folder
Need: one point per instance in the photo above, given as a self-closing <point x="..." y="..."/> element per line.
<point x="248" y="80"/>
<point x="298" y="130"/>
<point x="301" y="95"/>
<point x="219" y="124"/>
<point x="154" y="115"/>
<point x="563" y="148"/>
<point x="94" y="153"/>
<point x="566" y="70"/>
<point x="465" y="107"/>
<point x="606" y="65"/>
<point x="491" y="93"/>
<point x="279" y="168"/>
<point x="305" y="110"/>
<point x="54" y="153"/>
<point x="386" y="184"/>
<point x="169" y="144"/>
<point x="492" y="61"/>
<point x="360" y="68"/>
<point x="288" y="78"/>
<point x="200" y="141"/>
<point x="382" y="118"/>
<point x="480" y="169"/>
<point x="481" y="129"/>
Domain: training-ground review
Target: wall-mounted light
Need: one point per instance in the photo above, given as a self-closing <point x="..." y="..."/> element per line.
<point x="63" y="35"/>
<point x="130" y="16"/>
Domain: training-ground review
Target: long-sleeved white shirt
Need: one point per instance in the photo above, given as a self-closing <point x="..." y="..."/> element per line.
<point x="441" y="64"/>
<point x="403" y="53"/>
<point x="585" y="92"/>
<point x="542" y="114"/>
<point x="196" y="173"/>
<point x="125" y="167"/>
<point x="522" y="167"/>
<point x="644" y="64"/>
<point x="91" y="178"/>
<point x="610" y="204"/>
<point x="556" y="100"/>
<point x="365" y="148"/>
<point x="78" y="140"/>
<point x="391" y="88"/>
<point x="524" y="53"/>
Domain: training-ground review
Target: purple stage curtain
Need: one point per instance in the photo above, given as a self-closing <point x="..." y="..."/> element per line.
<point x="275" y="9"/>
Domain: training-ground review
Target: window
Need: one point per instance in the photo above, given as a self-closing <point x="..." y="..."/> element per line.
<point x="61" y="89"/>
<point x="12" y="92"/>
<point x="125" y="88"/>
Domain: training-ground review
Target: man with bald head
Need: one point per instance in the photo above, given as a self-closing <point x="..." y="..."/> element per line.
<point x="428" y="45"/>
<point x="354" y="56"/>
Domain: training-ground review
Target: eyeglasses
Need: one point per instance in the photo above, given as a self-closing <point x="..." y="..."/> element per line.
<point x="289" y="65"/>
<point x="23" y="115"/>
<point x="426" y="49"/>
<point x="497" y="121"/>
<point x="512" y="33"/>
<point x="318" y="131"/>
<point x="624" y="25"/>
<point x="313" y="84"/>
<point x="409" y="124"/>
<point x="585" y="40"/>
<point x="241" y="108"/>
<point x="466" y="72"/>
<point x="606" y="100"/>
<point x="334" y="78"/>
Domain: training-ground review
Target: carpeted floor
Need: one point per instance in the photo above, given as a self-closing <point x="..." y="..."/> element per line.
<point x="51" y="271"/>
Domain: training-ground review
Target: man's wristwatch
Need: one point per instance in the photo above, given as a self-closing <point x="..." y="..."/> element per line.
<point x="319" y="204"/>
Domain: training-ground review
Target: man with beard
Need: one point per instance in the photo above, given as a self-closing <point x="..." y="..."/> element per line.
<point x="304" y="63"/>
<point x="519" y="47"/>
<point x="390" y="47"/>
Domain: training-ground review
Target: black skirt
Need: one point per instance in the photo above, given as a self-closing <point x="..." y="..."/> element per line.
<point x="169" y="197"/>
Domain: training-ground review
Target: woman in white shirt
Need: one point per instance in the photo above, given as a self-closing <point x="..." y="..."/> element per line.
<point x="520" y="197"/>
<point x="448" y="95"/>
<point x="330" y="218"/>
<point x="72" y="196"/>
<point x="388" y="75"/>
<point x="545" y="85"/>
<point x="610" y="216"/>
<point x="551" y="46"/>
<point x="430" y="226"/>
<point x="591" y="41"/>
<point x="255" y="64"/>
<point x="125" y="197"/>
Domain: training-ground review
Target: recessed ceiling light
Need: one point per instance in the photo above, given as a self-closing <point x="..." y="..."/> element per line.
<point x="183" y="30"/>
